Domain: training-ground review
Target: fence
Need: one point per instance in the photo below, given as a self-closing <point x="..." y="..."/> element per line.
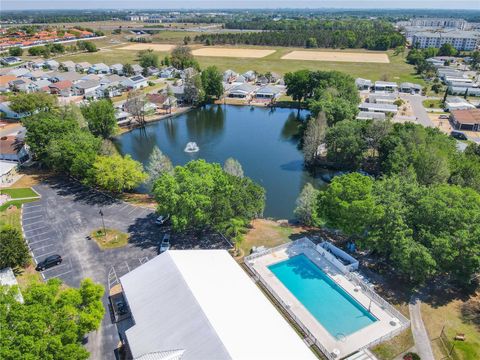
<point x="304" y="243"/>
<point x="448" y="346"/>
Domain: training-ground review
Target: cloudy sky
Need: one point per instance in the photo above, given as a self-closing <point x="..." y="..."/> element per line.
<point x="175" y="4"/>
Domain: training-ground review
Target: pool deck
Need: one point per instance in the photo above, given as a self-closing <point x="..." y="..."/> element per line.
<point x="349" y="343"/>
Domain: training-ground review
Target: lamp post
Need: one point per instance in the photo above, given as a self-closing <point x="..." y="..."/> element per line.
<point x="103" y="223"/>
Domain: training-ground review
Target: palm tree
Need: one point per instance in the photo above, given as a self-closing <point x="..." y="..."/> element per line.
<point x="234" y="229"/>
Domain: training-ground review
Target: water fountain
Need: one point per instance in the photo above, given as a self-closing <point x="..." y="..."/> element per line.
<point x="191" y="147"/>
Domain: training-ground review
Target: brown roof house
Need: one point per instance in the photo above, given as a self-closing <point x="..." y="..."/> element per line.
<point x="13" y="148"/>
<point x="468" y="119"/>
<point x="62" y="88"/>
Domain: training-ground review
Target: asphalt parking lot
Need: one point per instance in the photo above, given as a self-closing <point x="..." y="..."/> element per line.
<point x="59" y="224"/>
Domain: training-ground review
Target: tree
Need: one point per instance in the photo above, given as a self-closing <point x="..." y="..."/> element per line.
<point x="100" y="117"/>
<point x="201" y="195"/>
<point x="311" y="43"/>
<point x="447" y="50"/>
<point x="212" y="82"/>
<point x="42" y="128"/>
<point x="193" y="90"/>
<point x="335" y="108"/>
<point x="73" y="111"/>
<point x="87" y="46"/>
<point x="234" y="229"/>
<point x="117" y="174"/>
<point x="135" y="105"/>
<point x="297" y="84"/>
<point x="15" y="51"/>
<point x="148" y="58"/>
<point x="348" y="204"/>
<point x="73" y="153"/>
<point x="182" y="58"/>
<point x="13" y="249"/>
<point x="52" y="321"/>
<point x="128" y="69"/>
<point x="233" y="167"/>
<point x="158" y="163"/>
<point x="24" y="103"/>
<point x="313" y="137"/>
<point x="306" y="206"/>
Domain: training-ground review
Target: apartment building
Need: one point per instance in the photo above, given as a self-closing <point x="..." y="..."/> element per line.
<point x="461" y="40"/>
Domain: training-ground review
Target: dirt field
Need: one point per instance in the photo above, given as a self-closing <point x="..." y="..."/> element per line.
<point x="337" y="56"/>
<point x="234" y="53"/>
<point x="141" y="46"/>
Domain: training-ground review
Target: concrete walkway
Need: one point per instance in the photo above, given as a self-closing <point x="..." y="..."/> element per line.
<point x="416" y="101"/>
<point x="420" y="335"/>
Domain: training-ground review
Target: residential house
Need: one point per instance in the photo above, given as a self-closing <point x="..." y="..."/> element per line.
<point x="250" y="76"/>
<point x="363" y="84"/>
<point x="10" y="60"/>
<point x="5" y="82"/>
<point x="241" y="91"/>
<point x="52" y="64"/>
<point x="18" y="72"/>
<point x="457" y="103"/>
<point x="74" y="77"/>
<point x="123" y="118"/>
<point x="162" y="101"/>
<point x="20" y="85"/>
<point x="167" y="73"/>
<point x="68" y="65"/>
<point x="135" y="82"/>
<point x="99" y="68"/>
<point x="137" y="69"/>
<point x="386" y="86"/>
<point x="93" y="77"/>
<point x="181" y="308"/>
<point x="83" y="66"/>
<point x="229" y="76"/>
<point x="382" y="98"/>
<point x="240" y="80"/>
<point x="468" y="119"/>
<point x="61" y="88"/>
<point x="370" y="115"/>
<point x="268" y="92"/>
<point x="262" y="81"/>
<point x="37" y="75"/>
<point x="410" y="88"/>
<point x="13" y="148"/>
<point x="110" y="86"/>
<point x="178" y="92"/>
<point x="461" y="90"/>
<point x="36" y="64"/>
<point x="40" y="85"/>
<point x="86" y="88"/>
<point x="117" y="69"/>
<point x="187" y="73"/>
<point x="152" y="71"/>
<point x="373" y="107"/>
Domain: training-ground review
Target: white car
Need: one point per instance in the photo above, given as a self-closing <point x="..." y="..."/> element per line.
<point x="162" y="220"/>
<point x="165" y="245"/>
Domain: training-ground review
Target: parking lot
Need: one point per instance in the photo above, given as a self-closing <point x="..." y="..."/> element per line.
<point x="60" y="222"/>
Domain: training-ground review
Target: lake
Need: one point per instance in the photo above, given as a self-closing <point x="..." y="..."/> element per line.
<point x="263" y="140"/>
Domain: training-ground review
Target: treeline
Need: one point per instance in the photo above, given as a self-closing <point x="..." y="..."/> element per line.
<point x="60" y="16"/>
<point x="75" y="141"/>
<point x="372" y="35"/>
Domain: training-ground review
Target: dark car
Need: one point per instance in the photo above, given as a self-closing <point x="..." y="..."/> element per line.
<point x="49" y="262"/>
<point x="458" y="135"/>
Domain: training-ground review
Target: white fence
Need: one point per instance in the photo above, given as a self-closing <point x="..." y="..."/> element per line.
<point x="339" y="253"/>
<point x="382" y="303"/>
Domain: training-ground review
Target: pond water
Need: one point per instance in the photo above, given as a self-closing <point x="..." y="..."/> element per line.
<point x="263" y="140"/>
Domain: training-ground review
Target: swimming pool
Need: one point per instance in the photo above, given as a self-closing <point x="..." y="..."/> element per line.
<point x="330" y="304"/>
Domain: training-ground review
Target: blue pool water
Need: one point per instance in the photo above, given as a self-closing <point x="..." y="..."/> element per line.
<point x="331" y="305"/>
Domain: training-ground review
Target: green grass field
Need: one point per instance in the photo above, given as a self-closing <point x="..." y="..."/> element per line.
<point x="397" y="70"/>
<point x="20" y="193"/>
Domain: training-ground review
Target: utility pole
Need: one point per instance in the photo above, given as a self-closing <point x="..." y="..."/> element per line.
<point x="103" y="223"/>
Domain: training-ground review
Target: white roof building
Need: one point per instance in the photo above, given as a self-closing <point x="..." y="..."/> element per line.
<point x="186" y="301"/>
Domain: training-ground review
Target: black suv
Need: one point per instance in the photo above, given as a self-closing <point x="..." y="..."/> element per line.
<point x="49" y="262"/>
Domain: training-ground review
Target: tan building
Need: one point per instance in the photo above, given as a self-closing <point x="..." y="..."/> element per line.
<point x="468" y="119"/>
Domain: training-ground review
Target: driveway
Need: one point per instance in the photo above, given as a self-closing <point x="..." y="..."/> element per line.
<point x="59" y="224"/>
<point x="416" y="101"/>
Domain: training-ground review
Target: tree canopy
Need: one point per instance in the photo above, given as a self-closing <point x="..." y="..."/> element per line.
<point x="52" y="321"/>
<point x="116" y="173"/>
<point x="33" y="102"/>
<point x="100" y="117"/>
<point x="201" y="195"/>
<point x="182" y="58"/>
<point x="212" y="82"/>
<point x="13" y="249"/>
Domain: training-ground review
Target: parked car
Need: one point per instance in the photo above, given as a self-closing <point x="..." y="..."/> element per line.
<point x="458" y="135"/>
<point x="165" y="245"/>
<point x="163" y="220"/>
<point x="48" y="262"/>
<point x="443" y="117"/>
<point x="121" y="307"/>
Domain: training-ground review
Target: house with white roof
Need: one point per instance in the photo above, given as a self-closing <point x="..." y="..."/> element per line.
<point x="99" y="68"/>
<point x="135" y="82"/>
<point x="86" y="88"/>
<point x="137" y="69"/>
<point x="229" y="76"/>
<point x="373" y="107"/>
<point x="363" y="84"/>
<point x="83" y="66"/>
<point x="181" y="305"/>
<point x="52" y="64"/>
<point x="249" y="75"/>
<point x="411" y="88"/>
<point x="386" y="86"/>
<point x="117" y="69"/>
<point x="457" y="103"/>
<point x="68" y="65"/>
<point x="241" y="91"/>
<point x="268" y="92"/>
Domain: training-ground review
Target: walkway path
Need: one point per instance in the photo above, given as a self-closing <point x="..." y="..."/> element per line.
<point x="416" y="101"/>
<point x="420" y="335"/>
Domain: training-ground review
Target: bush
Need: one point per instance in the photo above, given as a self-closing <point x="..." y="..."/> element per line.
<point x="411" y="356"/>
<point x="13" y="249"/>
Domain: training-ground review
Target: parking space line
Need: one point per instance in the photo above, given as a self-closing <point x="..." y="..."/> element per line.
<point x="32" y="211"/>
<point x="46" y="254"/>
<point x="32" y="236"/>
<point x="41" y="227"/>
<point x="31" y="206"/>
<point x="42" y="247"/>
<point x="32" y="217"/>
<point x="124" y="207"/>
<point x="128" y="267"/>
<point x="39" y="241"/>
<point x="66" y="272"/>
<point x="33" y="223"/>
<point x="57" y="267"/>
<point x="132" y="211"/>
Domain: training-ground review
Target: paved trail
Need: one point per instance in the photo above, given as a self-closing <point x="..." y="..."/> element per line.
<point x="420" y="335"/>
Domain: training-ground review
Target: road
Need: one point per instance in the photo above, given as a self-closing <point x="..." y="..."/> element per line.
<point x="60" y="222"/>
<point x="420" y="335"/>
<point x="416" y="102"/>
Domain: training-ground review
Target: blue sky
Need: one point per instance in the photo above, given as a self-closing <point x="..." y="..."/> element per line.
<point x="175" y="4"/>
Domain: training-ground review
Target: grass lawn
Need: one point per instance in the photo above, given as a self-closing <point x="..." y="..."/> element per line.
<point x="27" y="276"/>
<point x="394" y="347"/>
<point x="19" y="193"/>
<point x="397" y="70"/>
<point x="449" y="315"/>
<point x="114" y="238"/>
<point x="437" y="104"/>
<point x="11" y="217"/>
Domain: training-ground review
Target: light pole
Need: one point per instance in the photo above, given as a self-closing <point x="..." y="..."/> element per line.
<point x="103" y="223"/>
